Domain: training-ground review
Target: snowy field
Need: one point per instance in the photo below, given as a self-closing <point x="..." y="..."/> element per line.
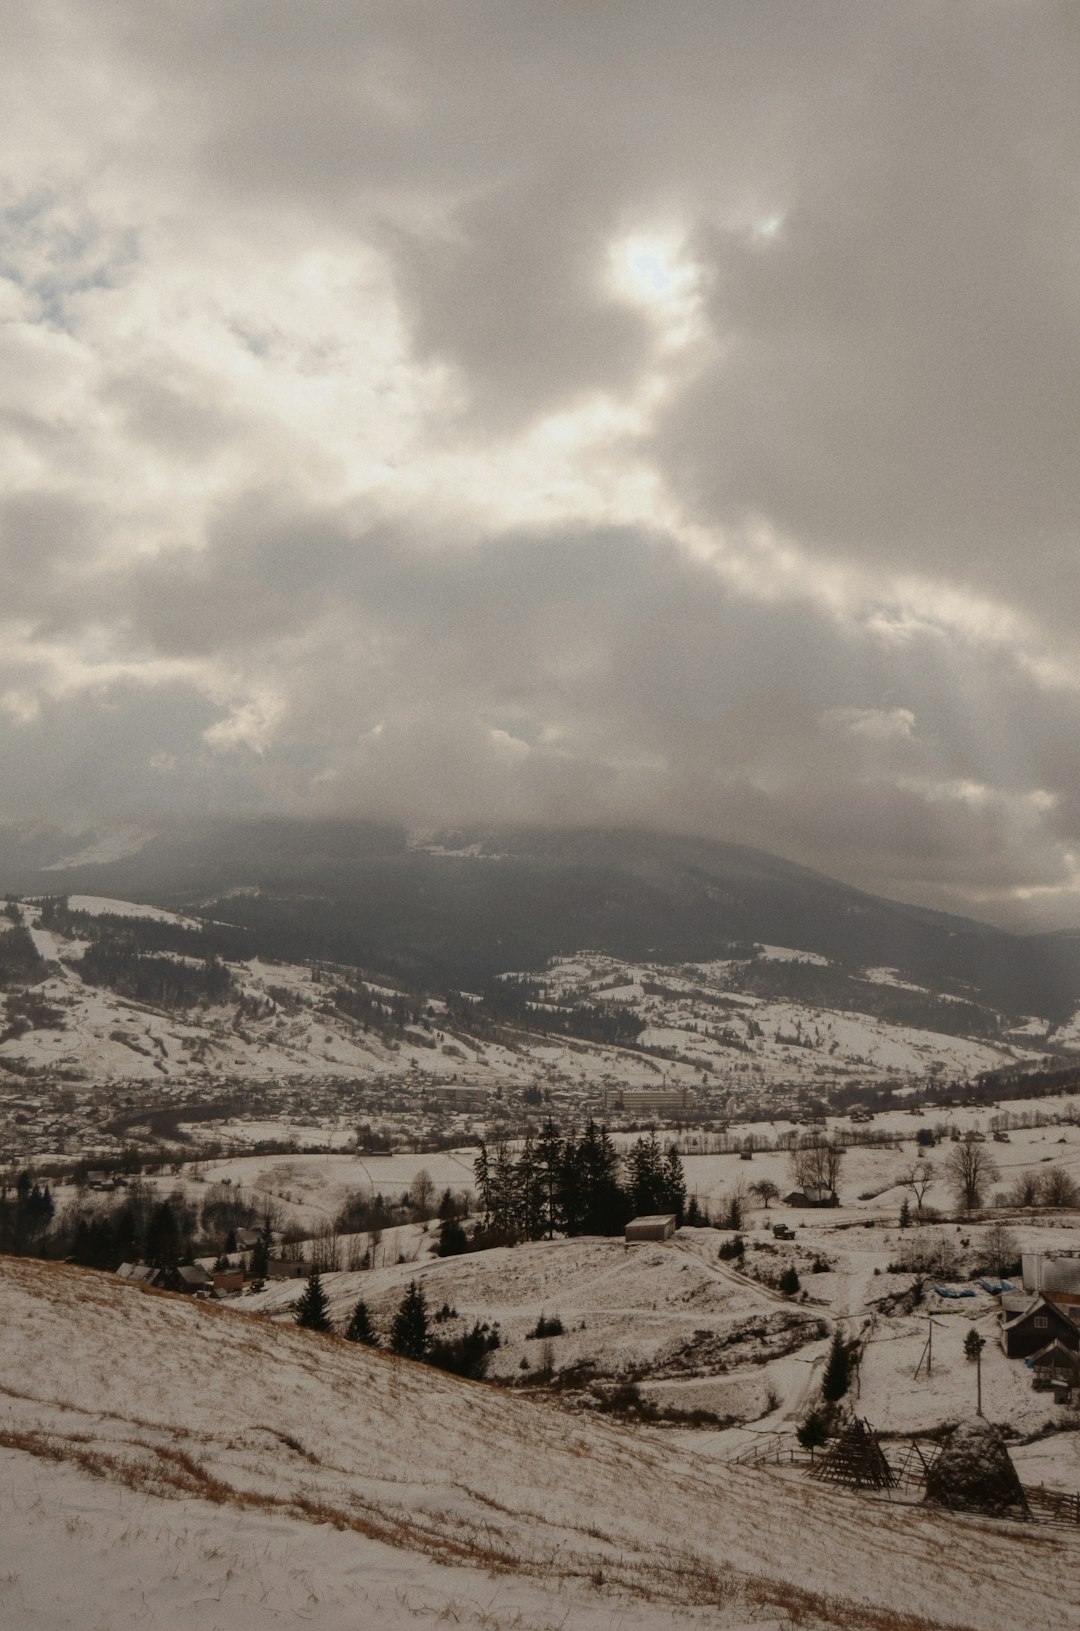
<point x="168" y="1464"/>
<point x="711" y="1032"/>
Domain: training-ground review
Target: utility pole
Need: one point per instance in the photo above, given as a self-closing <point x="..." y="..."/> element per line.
<point x="978" y="1383"/>
<point x="927" y="1354"/>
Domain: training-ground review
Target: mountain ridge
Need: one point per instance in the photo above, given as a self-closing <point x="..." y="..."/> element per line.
<point x="467" y="904"/>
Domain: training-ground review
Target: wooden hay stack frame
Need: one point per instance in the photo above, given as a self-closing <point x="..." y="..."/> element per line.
<point x="856" y="1460"/>
<point x="974" y="1473"/>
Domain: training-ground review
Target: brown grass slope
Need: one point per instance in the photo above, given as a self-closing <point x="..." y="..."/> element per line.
<point x="178" y="1399"/>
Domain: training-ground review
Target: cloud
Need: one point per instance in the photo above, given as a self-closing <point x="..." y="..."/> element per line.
<point x="551" y="413"/>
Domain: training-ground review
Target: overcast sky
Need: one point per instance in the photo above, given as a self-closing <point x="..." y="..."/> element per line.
<point x="571" y="410"/>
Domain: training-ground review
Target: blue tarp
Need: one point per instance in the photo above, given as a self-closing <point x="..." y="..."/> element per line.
<point x="954" y="1291"/>
<point x="990" y="1285"/>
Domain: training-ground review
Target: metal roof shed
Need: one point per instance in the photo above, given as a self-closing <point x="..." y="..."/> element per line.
<point x="661" y="1227"/>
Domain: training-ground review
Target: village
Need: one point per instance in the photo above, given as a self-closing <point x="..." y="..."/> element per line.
<point x="715" y="1320"/>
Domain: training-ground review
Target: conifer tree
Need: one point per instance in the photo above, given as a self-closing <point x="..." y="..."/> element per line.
<point x="646" y="1175"/>
<point x="482" y="1180"/>
<point x="674" y="1185"/>
<point x="813" y="1431"/>
<point x="837" y="1376"/>
<point x="360" y="1328"/>
<point x="260" y="1257"/>
<point x="549" y="1159"/>
<point x="410" y="1334"/>
<point x="530" y="1191"/>
<point x="313" y="1308"/>
<point x="974" y="1344"/>
<point x="453" y="1240"/>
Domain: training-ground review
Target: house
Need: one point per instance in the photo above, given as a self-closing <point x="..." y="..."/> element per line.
<point x="1057" y="1370"/>
<point x="660" y="1227"/>
<point x="276" y="1269"/>
<point x="191" y="1277"/>
<point x="1027" y="1322"/>
<point x="227" y="1281"/>
<point x="247" y="1239"/>
<point x="143" y="1274"/>
<point x="813" y="1195"/>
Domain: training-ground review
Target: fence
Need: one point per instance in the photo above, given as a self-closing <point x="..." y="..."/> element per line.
<point x="1056" y="1507"/>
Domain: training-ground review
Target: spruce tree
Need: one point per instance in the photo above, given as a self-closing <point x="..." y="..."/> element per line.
<point x="453" y="1240"/>
<point x="549" y="1158"/>
<point x="813" y="1431"/>
<point x="260" y="1257"/>
<point x="675" y="1184"/>
<point x="313" y="1308"/>
<point x="410" y="1335"/>
<point x="837" y="1376"/>
<point x="974" y="1344"/>
<point x="482" y="1180"/>
<point x="646" y="1176"/>
<point x="360" y="1328"/>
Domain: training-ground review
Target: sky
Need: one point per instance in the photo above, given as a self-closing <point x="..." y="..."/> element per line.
<point x="570" y="411"/>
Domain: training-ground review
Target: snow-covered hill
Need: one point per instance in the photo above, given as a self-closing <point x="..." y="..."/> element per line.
<point x="174" y="1465"/>
<point x="713" y="1022"/>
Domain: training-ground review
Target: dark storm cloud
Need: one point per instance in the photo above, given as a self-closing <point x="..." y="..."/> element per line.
<point x="293" y="298"/>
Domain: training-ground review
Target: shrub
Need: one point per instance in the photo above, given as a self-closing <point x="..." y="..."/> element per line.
<point x="546" y="1327"/>
<point x="466" y="1355"/>
<point x="790" y="1282"/>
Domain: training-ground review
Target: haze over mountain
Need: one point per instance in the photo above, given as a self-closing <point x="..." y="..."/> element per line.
<point x="465" y="905"/>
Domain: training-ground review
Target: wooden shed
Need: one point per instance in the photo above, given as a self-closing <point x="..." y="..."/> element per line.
<point x="661" y="1227"/>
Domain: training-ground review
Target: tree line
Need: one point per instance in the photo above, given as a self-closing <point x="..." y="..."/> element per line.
<point x="574" y="1185"/>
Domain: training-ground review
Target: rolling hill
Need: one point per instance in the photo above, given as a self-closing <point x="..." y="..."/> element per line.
<point x="174" y="1464"/>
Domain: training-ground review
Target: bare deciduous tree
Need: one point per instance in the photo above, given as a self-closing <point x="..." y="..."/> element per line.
<point x="1025" y="1190"/>
<point x="918" y="1177"/>
<point x="999" y="1249"/>
<point x="422" y="1194"/>
<point x="816" y="1163"/>
<point x="970" y="1169"/>
<point x="1056" y="1188"/>
<point x="325" y="1249"/>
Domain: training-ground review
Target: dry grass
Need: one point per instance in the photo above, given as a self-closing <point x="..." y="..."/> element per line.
<point x="401" y="1455"/>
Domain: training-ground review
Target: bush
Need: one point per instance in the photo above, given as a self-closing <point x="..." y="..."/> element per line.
<point x="466" y="1355"/>
<point x="734" y="1248"/>
<point x="790" y="1282"/>
<point x="546" y="1327"/>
